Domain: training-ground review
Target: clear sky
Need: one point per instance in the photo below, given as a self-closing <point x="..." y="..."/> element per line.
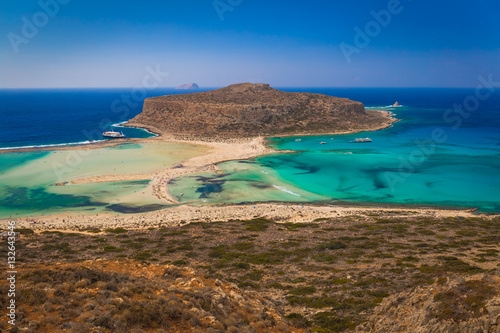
<point x="108" y="43"/>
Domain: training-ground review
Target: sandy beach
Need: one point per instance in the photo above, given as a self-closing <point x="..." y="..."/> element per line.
<point x="279" y="212"/>
<point x="219" y="150"/>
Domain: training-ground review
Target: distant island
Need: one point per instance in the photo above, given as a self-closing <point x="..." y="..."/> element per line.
<point x="249" y="110"/>
<point x="188" y="86"/>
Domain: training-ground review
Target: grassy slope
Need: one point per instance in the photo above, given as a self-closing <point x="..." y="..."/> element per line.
<point x="327" y="276"/>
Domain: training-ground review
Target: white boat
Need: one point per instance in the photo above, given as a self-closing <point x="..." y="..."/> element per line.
<point x="298" y="139"/>
<point x="113" y="134"/>
<point x="322" y="143"/>
<point x="362" y="140"/>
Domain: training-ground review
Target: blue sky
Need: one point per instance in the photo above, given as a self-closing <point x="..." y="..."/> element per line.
<point x="285" y="43"/>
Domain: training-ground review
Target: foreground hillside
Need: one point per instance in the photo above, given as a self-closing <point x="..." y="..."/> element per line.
<point x="246" y="110"/>
<point x="377" y="272"/>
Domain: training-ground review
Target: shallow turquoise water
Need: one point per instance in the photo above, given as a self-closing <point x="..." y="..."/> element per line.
<point x="30" y="182"/>
<point x="405" y="164"/>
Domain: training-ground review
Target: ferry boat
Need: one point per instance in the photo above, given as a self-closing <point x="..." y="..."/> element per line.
<point x="113" y="134"/>
<point x="362" y="140"/>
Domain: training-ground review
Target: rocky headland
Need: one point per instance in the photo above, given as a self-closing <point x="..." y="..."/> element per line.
<point x="249" y="110"/>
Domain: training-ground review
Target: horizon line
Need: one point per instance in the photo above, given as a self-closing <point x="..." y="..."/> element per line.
<point x="218" y="87"/>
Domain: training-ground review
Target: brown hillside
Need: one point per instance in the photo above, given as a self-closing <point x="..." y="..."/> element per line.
<point x="246" y="109"/>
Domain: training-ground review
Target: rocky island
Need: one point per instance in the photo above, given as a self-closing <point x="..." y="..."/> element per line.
<point x="190" y="86"/>
<point x="250" y="110"/>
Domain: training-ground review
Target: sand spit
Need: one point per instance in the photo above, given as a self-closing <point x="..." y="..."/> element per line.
<point x="219" y="152"/>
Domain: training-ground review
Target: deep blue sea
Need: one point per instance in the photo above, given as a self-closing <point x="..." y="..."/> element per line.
<point x="439" y="154"/>
<point x="40" y="117"/>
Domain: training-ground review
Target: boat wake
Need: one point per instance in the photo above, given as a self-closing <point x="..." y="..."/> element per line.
<point x="88" y="142"/>
<point x="281" y="188"/>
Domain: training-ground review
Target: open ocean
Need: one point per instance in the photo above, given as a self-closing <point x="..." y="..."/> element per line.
<point x="44" y="117"/>
<point x="404" y="164"/>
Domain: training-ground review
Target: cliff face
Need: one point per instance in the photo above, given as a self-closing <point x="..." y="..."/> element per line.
<point x="254" y="109"/>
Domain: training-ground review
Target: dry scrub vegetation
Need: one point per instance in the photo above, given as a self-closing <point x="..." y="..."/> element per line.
<point x="252" y="276"/>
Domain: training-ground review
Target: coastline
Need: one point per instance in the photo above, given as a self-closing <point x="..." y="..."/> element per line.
<point x="220" y="150"/>
<point x="185" y="214"/>
<point x="84" y="144"/>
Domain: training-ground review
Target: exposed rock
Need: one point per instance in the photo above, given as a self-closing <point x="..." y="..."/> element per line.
<point x="244" y="110"/>
<point x="459" y="305"/>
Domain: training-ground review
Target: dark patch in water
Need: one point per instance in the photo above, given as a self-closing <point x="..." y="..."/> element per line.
<point x="38" y="199"/>
<point x="260" y="185"/>
<point x="309" y="169"/>
<point x="124" y="209"/>
<point x="209" y="187"/>
<point x="379" y="183"/>
<point x="208" y="179"/>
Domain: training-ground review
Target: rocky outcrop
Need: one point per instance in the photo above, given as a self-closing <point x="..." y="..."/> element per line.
<point x="190" y="86"/>
<point x="245" y="110"/>
<point x="452" y="305"/>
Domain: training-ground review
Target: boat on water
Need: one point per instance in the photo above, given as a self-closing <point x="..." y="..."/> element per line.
<point x="362" y="140"/>
<point x="298" y="139"/>
<point x="113" y="134"/>
<point x="322" y="143"/>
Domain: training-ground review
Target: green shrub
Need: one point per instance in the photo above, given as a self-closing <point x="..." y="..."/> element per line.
<point x="332" y="323"/>
<point x="258" y="224"/>
<point x="255" y="275"/>
<point x="334" y="245"/>
<point x="179" y="262"/>
<point x="241" y="265"/>
<point x="24" y="231"/>
<point x="243" y="246"/>
<point x="118" y="230"/>
<point x="305" y="290"/>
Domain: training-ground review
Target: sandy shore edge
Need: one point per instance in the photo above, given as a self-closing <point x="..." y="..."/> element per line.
<point x="221" y="150"/>
<point x="184" y="214"/>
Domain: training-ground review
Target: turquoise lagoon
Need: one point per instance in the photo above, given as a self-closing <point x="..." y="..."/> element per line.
<point x="404" y="165"/>
<point x="29" y="180"/>
<point x="423" y="160"/>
